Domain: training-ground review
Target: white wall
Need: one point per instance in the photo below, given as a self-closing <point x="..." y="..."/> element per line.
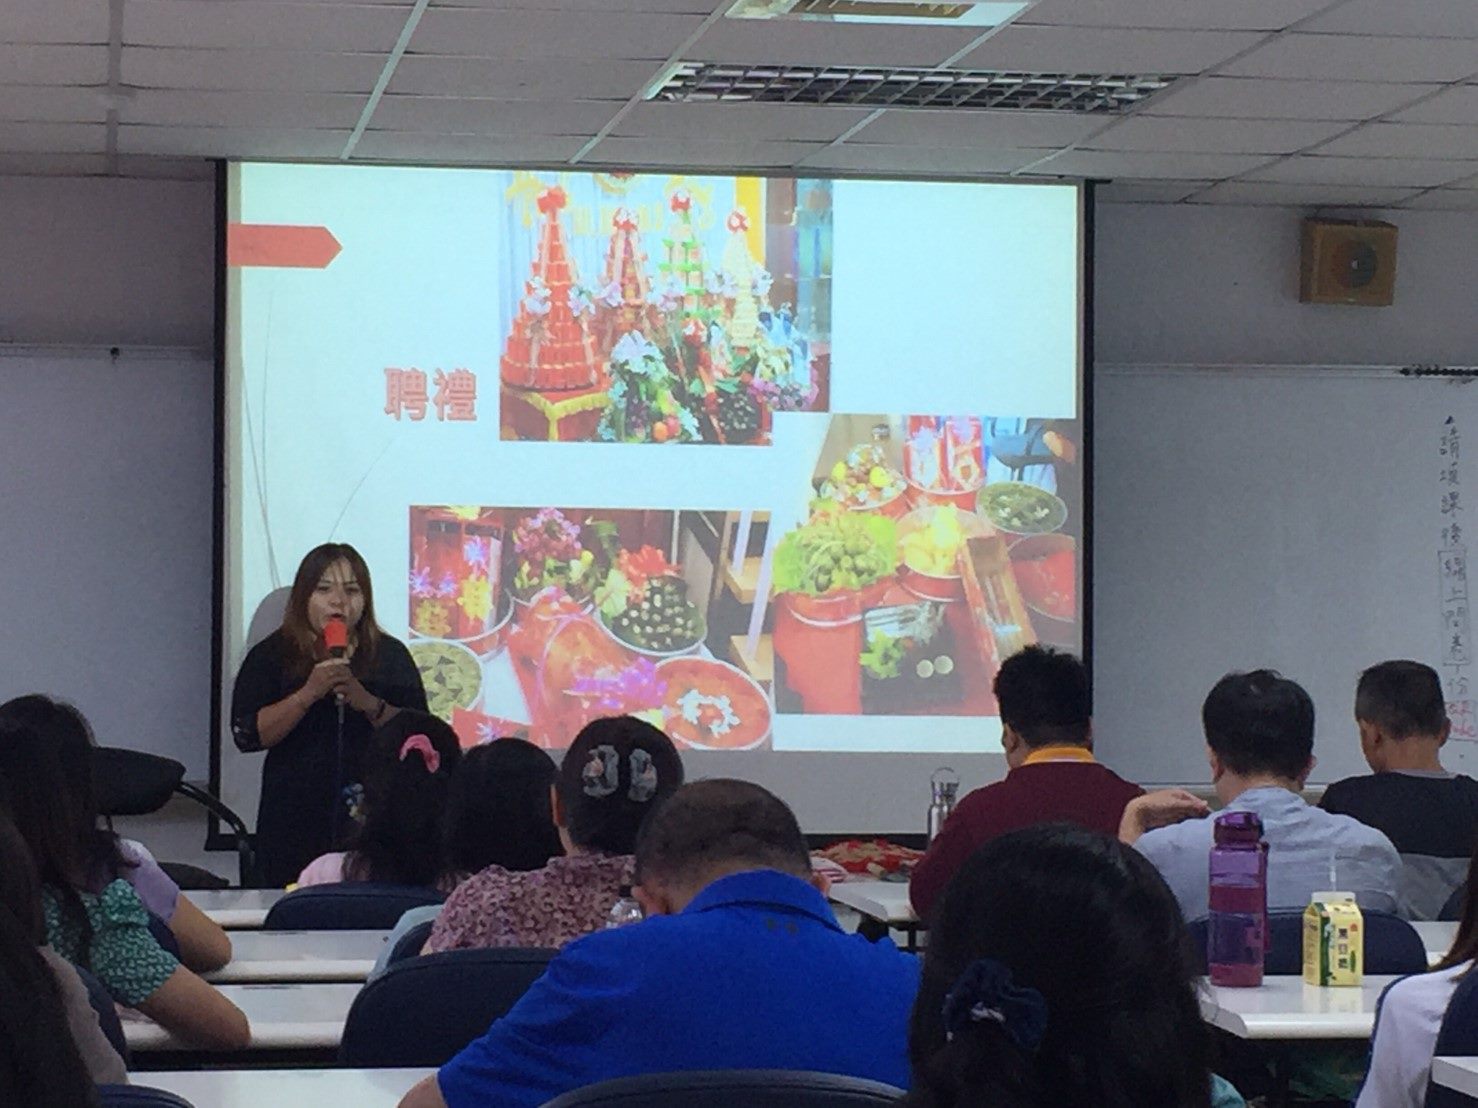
<point x="124" y="262"/>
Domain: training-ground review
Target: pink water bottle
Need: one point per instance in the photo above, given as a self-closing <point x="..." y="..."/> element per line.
<point x="1238" y="928"/>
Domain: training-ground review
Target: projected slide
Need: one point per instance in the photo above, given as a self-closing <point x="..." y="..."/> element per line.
<point x="779" y="464"/>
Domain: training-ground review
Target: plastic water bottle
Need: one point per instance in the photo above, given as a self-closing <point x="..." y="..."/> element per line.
<point x="1238" y="927"/>
<point x="625" y="910"/>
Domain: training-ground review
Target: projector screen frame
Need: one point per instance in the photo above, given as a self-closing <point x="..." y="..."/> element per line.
<point x="219" y="839"/>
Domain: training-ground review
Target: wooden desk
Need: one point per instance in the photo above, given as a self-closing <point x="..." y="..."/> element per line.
<point x="1286" y="1008"/>
<point x="1460" y="1074"/>
<point x="285" y="1088"/>
<point x="236" y="909"/>
<point x="1437" y="938"/>
<point x="282" y="1017"/>
<point x="274" y="956"/>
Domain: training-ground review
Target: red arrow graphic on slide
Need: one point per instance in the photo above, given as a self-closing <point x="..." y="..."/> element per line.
<point x="280" y="245"/>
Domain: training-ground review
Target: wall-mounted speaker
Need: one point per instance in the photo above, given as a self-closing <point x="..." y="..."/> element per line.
<point x="1348" y="262"/>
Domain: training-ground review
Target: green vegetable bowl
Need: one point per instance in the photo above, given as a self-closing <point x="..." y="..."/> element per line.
<point x="1021" y="509"/>
<point x="451" y="673"/>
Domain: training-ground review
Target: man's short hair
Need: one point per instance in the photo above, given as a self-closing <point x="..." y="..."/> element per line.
<point x="1402" y="698"/>
<point x="720" y="826"/>
<point x="1260" y="722"/>
<point x="1043" y="697"/>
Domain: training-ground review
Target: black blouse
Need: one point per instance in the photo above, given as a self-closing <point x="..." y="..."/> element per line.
<point x="299" y="811"/>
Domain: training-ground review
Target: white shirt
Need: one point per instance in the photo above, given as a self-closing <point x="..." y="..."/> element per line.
<point x="1406" y="1026"/>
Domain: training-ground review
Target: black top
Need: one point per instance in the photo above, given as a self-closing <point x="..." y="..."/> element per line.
<point x="296" y="815"/>
<point x="1420" y="813"/>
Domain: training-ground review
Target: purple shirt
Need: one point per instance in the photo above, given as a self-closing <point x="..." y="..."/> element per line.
<point x="158" y="892"/>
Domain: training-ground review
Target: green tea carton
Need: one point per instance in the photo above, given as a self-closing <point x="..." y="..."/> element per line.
<point x="1334" y="940"/>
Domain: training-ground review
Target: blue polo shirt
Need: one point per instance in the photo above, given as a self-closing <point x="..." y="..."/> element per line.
<point x="755" y="973"/>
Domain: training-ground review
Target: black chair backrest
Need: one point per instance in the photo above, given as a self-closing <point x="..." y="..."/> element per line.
<point x="163" y="935"/>
<point x="1392" y="945"/>
<point x="1457" y="1036"/>
<point x="424" y="1010"/>
<point x="409" y="945"/>
<point x="132" y="783"/>
<point x="107" y="1011"/>
<point x="139" y="1096"/>
<point x="348" y="906"/>
<point x="1452" y="910"/>
<point x="732" y="1089"/>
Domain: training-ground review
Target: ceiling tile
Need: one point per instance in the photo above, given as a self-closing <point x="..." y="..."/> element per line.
<point x="1455" y="105"/>
<point x="1312" y="196"/>
<point x="263" y="110"/>
<point x="1407" y="140"/>
<point x="53" y="65"/>
<point x="957" y="161"/>
<point x="57" y="21"/>
<point x="52" y="138"/>
<point x="1456" y="200"/>
<point x="1351" y="57"/>
<point x="453" y="115"/>
<point x="1191" y="15"/>
<point x="250" y="70"/>
<point x="50" y="104"/>
<point x="230" y="142"/>
<point x="1147" y="192"/>
<point x="903" y="127"/>
<point x="1434" y="18"/>
<point x="1108" y="163"/>
<point x="759" y="154"/>
<point x="52" y="165"/>
<point x="1395" y="172"/>
<point x="512" y="79"/>
<point x="762" y="43"/>
<point x="1261" y="98"/>
<point x="677" y="7"/>
<point x="508" y="33"/>
<point x="263" y="25"/>
<point x="1099" y="50"/>
<point x="1213" y="136"/>
<point x="395" y="146"/>
<point x="739" y="121"/>
<point x="174" y="169"/>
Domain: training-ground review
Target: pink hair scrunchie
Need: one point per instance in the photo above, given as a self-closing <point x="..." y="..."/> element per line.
<point x="421" y="745"/>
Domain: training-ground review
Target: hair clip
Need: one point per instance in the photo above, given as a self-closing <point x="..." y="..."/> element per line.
<point x="422" y="746"/>
<point x="601" y="773"/>
<point x="985" y="992"/>
<point x="643" y="777"/>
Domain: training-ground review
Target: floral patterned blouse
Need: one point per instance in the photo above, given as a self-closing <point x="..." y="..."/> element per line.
<point x="569" y="897"/>
<point x="124" y="956"/>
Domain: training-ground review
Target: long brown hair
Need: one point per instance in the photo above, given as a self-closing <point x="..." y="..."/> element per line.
<point x="1465" y="940"/>
<point x="303" y="646"/>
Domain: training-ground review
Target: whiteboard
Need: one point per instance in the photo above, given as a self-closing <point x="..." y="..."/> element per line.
<point x="105" y="506"/>
<point x="1284" y="517"/>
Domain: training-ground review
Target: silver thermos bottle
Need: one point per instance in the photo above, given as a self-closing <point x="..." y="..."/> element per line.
<point x="944" y="786"/>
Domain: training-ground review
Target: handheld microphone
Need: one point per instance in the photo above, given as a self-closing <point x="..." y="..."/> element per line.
<point x="336" y="642"/>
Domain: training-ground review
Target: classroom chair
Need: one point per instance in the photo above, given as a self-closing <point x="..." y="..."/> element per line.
<point x="1457" y="1037"/>
<point x="424" y="1010"/>
<point x="107" y="1012"/>
<point x="409" y="945"/>
<point x="1392" y="945"/>
<point x="133" y="783"/>
<point x="347" y="906"/>
<point x="732" y="1089"/>
<point x="1452" y="910"/>
<point x="138" y="1096"/>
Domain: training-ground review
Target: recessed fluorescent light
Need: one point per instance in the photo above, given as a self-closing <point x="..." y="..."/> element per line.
<point x="981" y="13"/>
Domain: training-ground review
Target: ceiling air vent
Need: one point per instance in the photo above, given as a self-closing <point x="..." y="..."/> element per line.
<point x="898" y="87"/>
<point x="981" y="13"/>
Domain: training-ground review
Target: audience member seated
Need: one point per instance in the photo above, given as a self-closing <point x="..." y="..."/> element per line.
<point x="1260" y="741"/>
<point x="1409" y="1016"/>
<point x="1048" y="738"/>
<point x="25" y="925"/>
<point x="739" y="964"/>
<point x="498" y="814"/>
<point x="407" y="775"/>
<point x="615" y="771"/>
<point x="1058" y="972"/>
<point x="203" y="944"/>
<point x="95" y="920"/>
<point x="1430" y="815"/>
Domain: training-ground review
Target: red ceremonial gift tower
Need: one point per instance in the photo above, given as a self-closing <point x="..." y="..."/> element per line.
<point x="549" y="347"/>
